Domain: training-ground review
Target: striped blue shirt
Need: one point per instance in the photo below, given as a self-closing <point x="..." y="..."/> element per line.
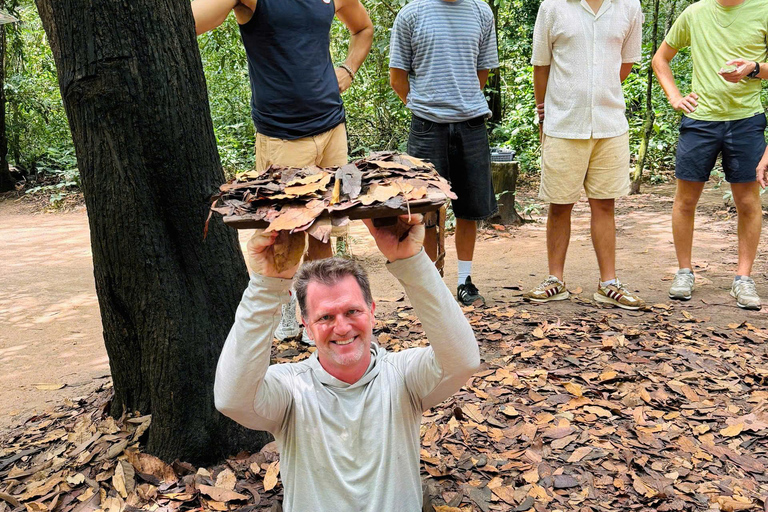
<point x="442" y="44"/>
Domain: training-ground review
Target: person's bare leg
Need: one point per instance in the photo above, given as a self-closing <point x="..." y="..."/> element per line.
<point x="430" y="242"/>
<point x="746" y="196"/>
<point x="558" y="237"/>
<point x="683" y="215"/>
<point x="603" y="231"/>
<point x="317" y="250"/>
<point x="466" y="232"/>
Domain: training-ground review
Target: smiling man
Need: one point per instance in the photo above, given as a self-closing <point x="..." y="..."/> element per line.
<point x="347" y="419"/>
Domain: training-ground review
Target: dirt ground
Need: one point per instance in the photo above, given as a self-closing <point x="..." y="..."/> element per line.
<point x="50" y="327"/>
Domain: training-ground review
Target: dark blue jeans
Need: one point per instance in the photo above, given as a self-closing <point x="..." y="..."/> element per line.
<point x="461" y="155"/>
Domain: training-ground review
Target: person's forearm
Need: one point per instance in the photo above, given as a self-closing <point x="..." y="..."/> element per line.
<point x="447" y="330"/>
<point x="398" y="80"/>
<point x="359" y="46"/>
<point x="626" y="69"/>
<point x="209" y="14"/>
<point x="402" y="89"/>
<point x="666" y="79"/>
<point x="241" y="374"/>
<point x="482" y="76"/>
<point x="540" y="80"/>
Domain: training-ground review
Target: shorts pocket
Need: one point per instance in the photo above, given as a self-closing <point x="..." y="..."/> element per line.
<point x="420" y="126"/>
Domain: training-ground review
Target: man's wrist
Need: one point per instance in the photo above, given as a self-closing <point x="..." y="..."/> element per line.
<point x="675" y="98"/>
<point x="755" y="71"/>
<point x="348" y="69"/>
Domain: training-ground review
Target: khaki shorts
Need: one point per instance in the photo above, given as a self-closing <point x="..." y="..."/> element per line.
<point x="327" y="149"/>
<point x="600" y="166"/>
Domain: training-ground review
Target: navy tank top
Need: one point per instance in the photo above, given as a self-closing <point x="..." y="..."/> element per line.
<point x="294" y="90"/>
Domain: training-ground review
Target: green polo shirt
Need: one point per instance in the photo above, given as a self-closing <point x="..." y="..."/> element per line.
<point x="717" y="34"/>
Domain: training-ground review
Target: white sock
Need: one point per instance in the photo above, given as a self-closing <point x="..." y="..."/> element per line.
<point x="606" y="283"/>
<point x="465" y="270"/>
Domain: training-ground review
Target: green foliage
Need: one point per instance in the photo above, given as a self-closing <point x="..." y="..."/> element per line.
<point x="37" y="129"/>
<point x="229" y="94"/>
<point x="39" y="138"/>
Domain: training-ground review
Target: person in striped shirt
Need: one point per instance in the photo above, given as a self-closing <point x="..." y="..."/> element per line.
<point x="440" y="54"/>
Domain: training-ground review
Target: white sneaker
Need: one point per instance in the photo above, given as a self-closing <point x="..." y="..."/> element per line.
<point x="682" y="285"/>
<point x="745" y="293"/>
<point x="305" y="339"/>
<point x="289" y="327"/>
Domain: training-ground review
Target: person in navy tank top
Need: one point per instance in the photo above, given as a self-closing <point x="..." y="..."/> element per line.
<point x="296" y="91"/>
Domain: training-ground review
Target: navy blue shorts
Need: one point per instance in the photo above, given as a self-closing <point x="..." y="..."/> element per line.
<point x="461" y="155"/>
<point x="741" y="142"/>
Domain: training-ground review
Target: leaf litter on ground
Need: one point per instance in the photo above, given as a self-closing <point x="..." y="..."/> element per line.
<point x="585" y="414"/>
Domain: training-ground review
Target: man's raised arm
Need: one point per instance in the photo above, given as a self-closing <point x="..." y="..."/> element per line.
<point x="354" y="16"/>
<point x="436" y="372"/>
<point x="247" y="389"/>
<point x="209" y="14"/>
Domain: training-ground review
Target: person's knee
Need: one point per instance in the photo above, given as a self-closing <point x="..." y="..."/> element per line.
<point x="560" y="210"/>
<point x="686" y="203"/>
<point x="748" y="204"/>
<point x="602" y="206"/>
<point x="430" y="220"/>
<point x="466" y="224"/>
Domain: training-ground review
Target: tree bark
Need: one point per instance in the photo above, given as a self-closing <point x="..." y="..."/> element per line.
<point x="7" y="182"/>
<point x="493" y="87"/>
<point x="133" y="88"/>
<point x="504" y="175"/>
<point x="637" y="174"/>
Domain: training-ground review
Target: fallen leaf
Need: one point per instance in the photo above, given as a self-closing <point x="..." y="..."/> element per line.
<point x="270" y="478"/>
<point x="732" y="430"/>
<point x="574" y="389"/>
<point x="221" y="495"/>
<point x="579" y="453"/>
<point x="48" y="387"/>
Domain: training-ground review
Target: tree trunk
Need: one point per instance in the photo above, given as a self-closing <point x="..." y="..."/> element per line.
<point x="504" y="175"/>
<point x="637" y="174"/>
<point x="6" y="180"/>
<point x="670" y="17"/>
<point x="493" y="87"/>
<point x="133" y="88"/>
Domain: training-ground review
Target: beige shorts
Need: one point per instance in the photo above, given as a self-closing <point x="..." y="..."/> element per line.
<point x="327" y="149"/>
<point x="600" y="166"/>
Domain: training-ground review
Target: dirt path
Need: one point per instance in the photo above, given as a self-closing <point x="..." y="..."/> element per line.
<point x="51" y="328"/>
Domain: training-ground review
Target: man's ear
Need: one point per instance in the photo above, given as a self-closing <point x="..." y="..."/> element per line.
<point x="373" y="316"/>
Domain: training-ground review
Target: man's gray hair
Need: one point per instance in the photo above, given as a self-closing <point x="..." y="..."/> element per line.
<point x="328" y="272"/>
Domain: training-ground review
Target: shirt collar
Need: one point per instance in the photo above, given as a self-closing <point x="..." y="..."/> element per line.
<point x="607" y="4"/>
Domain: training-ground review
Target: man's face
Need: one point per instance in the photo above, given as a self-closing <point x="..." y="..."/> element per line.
<point x="341" y="325"/>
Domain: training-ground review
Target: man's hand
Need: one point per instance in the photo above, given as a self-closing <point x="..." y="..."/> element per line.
<point x="401" y="240"/>
<point x="743" y="68"/>
<point x="540" y="113"/>
<point x="686" y="103"/>
<point x="344" y="79"/>
<point x="275" y="254"/>
<point x="762" y="171"/>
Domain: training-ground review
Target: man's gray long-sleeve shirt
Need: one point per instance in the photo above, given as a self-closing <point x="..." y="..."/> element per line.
<point x="346" y="447"/>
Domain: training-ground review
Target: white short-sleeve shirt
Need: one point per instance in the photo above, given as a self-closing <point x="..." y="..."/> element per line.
<point x="585" y="51"/>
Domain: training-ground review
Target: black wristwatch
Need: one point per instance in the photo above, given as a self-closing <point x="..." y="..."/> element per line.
<point x="755" y="71"/>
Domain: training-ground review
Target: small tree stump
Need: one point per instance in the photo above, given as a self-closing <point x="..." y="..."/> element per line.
<point x="504" y="176"/>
